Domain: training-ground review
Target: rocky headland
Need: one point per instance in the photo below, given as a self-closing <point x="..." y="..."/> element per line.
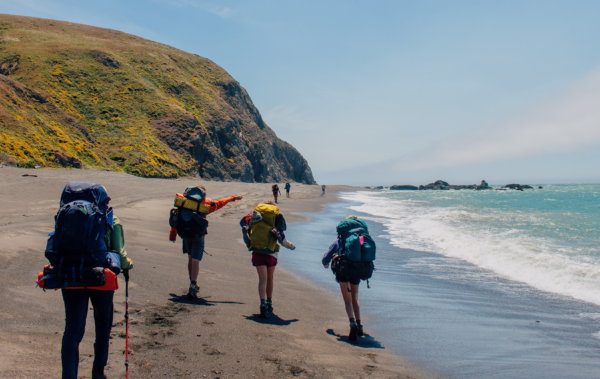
<point x="85" y="97"/>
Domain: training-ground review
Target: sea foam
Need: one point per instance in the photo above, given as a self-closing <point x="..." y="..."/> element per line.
<point x="551" y="249"/>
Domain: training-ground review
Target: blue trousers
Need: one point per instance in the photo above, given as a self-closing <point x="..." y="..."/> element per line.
<point x="76" y="308"/>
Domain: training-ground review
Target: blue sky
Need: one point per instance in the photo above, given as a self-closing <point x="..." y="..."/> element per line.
<point x="396" y="92"/>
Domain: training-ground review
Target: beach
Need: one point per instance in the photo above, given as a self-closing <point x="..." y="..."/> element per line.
<point x="217" y="336"/>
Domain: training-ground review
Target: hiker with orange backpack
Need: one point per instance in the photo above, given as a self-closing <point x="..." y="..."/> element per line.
<point x="86" y="252"/>
<point x="262" y="229"/>
<point x="188" y="220"/>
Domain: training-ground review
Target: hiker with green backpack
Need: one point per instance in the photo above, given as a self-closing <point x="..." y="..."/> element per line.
<point x="351" y="257"/>
<point x="188" y="220"/>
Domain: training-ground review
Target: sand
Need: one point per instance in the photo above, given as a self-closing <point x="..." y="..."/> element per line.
<point x="217" y="336"/>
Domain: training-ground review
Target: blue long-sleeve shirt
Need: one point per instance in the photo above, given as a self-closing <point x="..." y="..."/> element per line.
<point x="333" y="249"/>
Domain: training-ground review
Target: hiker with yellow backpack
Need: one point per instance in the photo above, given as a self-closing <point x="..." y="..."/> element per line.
<point x="188" y="220"/>
<point x="263" y="230"/>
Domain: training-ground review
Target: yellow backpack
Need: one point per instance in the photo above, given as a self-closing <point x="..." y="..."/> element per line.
<point x="260" y="233"/>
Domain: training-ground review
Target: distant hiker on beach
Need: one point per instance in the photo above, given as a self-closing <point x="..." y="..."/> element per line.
<point x="287" y="189"/>
<point x="262" y="229"/>
<point x="351" y="257"/>
<point x="86" y="268"/>
<point x="276" y="191"/>
<point x="188" y="220"/>
<point x="323" y="189"/>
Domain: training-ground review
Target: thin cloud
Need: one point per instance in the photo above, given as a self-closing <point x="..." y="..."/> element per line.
<point x="285" y="116"/>
<point x="221" y="11"/>
<point x="561" y="124"/>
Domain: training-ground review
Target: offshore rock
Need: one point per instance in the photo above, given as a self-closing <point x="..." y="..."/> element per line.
<point x="404" y="187"/>
<point x="437" y="185"/>
<point x="442" y="185"/>
<point x="518" y="187"/>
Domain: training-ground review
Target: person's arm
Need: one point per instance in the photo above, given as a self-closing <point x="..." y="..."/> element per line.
<point x="245" y="221"/>
<point x="117" y="242"/>
<point x="222" y="202"/>
<point x="329" y="254"/>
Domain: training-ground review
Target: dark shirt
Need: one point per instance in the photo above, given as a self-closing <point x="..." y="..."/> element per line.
<point x="333" y="249"/>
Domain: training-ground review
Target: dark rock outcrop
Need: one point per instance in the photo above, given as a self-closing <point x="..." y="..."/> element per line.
<point x="66" y="160"/>
<point x="512" y="186"/>
<point x="437" y="185"/>
<point x="404" y="187"/>
<point x="442" y="185"/>
<point x="105" y="59"/>
<point x="378" y="188"/>
<point x="483" y="186"/>
<point x="518" y="187"/>
<point x="10" y="65"/>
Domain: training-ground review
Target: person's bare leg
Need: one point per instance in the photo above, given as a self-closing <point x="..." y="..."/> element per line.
<point x="194" y="267"/>
<point x="347" y="299"/>
<point x="355" y="305"/>
<point x="262" y="281"/>
<point x="190" y="266"/>
<point x="270" y="272"/>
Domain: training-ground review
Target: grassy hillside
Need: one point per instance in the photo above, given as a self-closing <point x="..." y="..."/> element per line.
<point x="76" y="95"/>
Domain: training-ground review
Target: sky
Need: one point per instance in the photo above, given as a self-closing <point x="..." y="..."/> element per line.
<point x="396" y="92"/>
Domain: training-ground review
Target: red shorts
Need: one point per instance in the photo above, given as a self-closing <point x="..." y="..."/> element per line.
<point x="259" y="259"/>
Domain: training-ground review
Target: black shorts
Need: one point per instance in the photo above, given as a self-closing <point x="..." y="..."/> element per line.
<point x="345" y="279"/>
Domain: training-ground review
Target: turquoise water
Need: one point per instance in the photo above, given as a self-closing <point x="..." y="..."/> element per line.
<point x="547" y="238"/>
<point x="494" y="284"/>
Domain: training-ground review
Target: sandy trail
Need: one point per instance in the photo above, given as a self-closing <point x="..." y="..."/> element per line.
<point x="218" y="335"/>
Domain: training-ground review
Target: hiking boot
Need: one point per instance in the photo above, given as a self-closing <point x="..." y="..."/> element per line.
<point x="98" y="373"/>
<point x="193" y="291"/>
<point x="353" y="331"/>
<point x="270" y="306"/>
<point x="287" y="244"/>
<point x="264" y="311"/>
<point x="359" y="331"/>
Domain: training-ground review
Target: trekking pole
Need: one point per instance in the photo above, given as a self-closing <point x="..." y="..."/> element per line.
<point x="126" y="275"/>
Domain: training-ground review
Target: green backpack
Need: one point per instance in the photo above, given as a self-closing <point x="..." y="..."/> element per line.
<point x="357" y="244"/>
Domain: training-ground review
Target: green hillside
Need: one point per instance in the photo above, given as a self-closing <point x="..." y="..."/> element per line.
<point x="75" y="95"/>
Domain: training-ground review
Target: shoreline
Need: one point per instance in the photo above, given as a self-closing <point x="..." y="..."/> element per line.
<point x="451" y="316"/>
<point x="218" y="335"/>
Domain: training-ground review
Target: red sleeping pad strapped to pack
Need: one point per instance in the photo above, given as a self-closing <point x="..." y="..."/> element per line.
<point x="111" y="282"/>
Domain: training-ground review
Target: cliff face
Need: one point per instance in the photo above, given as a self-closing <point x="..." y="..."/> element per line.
<point x="76" y="95"/>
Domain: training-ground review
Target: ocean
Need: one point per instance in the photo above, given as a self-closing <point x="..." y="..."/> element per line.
<point x="475" y="284"/>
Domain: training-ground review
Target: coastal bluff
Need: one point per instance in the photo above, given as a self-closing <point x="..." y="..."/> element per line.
<point x="85" y="97"/>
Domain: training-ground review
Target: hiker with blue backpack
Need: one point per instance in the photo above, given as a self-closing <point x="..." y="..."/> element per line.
<point x="86" y="252"/>
<point x="351" y="257"/>
<point x="188" y="220"/>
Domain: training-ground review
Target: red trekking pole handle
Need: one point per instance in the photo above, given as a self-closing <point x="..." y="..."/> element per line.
<point x="126" y="275"/>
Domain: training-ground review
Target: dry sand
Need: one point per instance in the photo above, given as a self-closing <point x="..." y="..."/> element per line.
<point x="217" y="336"/>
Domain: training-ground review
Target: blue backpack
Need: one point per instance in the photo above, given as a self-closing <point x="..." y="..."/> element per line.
<point x="357" y="244"/>
<point x="80" y="226"/>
